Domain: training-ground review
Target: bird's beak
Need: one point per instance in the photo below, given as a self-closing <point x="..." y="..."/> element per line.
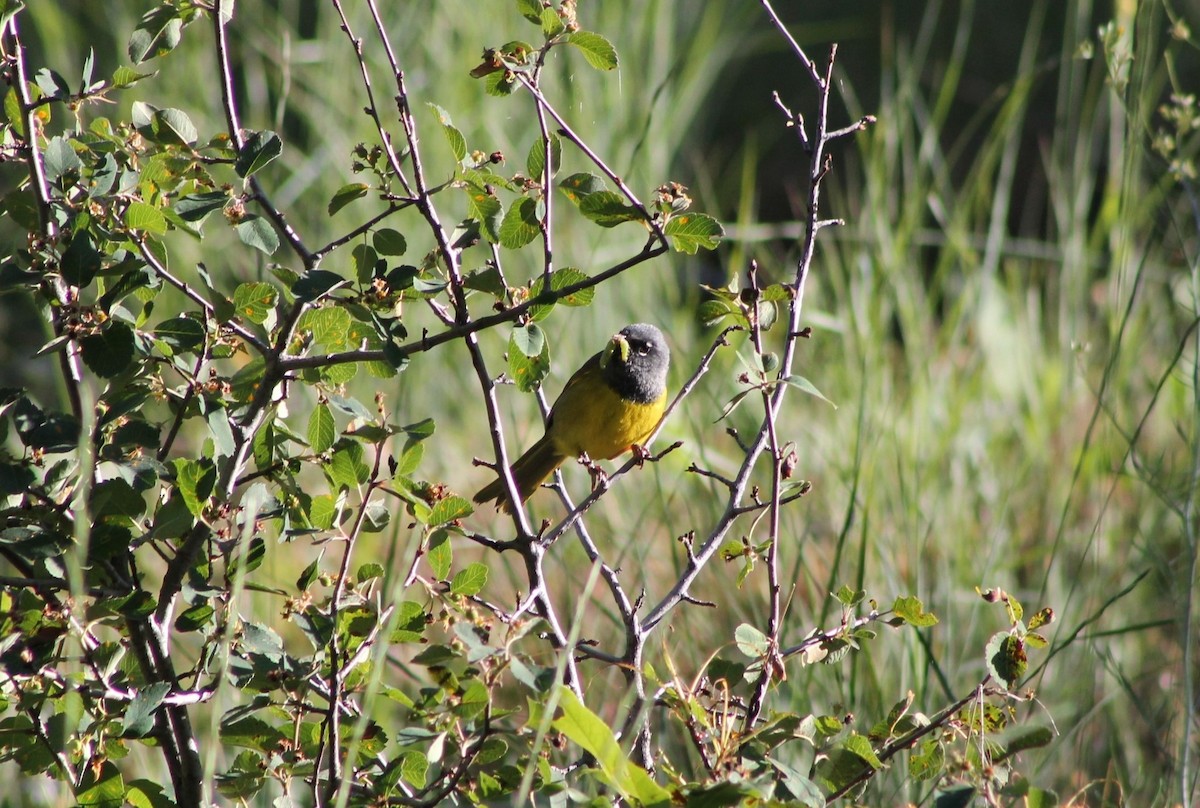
<point x="617" y="346"/>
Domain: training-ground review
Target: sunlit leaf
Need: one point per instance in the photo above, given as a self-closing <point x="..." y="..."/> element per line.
<point x="145" y="217"/>
<point x="689" y="232"/>
<point x="520" y="225"/>
<point x="470" y="580"/>
<point x="597" y="50"/>
<point x="347" y="194"/>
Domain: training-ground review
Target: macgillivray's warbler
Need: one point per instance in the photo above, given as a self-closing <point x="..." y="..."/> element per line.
<point x="614" y="401"/>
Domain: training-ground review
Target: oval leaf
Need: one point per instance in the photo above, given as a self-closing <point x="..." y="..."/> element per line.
<point x="597" y="50"/>
<point x="692" y="231"/>
<point x="520" y="225"/>
<point x="469" y="581"/>
<point x="145" y="217"/>
<point x="109" y="351"/>
<point x="260" y="149"/>
<point x="347" y="194"/>
<point x="256" y="232"/>
<point x="321" y="430"/>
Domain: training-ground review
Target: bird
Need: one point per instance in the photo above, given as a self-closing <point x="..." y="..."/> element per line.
<point x="612" y="403"/>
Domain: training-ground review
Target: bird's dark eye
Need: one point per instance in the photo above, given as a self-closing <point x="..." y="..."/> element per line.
<point x="641" y="347"/>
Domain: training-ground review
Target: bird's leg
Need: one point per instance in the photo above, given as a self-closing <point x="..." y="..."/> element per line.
<point x="594" y="470"/>
<point x="640" y="453"/>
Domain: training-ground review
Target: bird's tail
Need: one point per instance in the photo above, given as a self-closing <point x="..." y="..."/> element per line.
<point x="530" y="471"/>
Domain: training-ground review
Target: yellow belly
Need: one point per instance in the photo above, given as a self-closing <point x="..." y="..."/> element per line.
<point x="600" y="423"/>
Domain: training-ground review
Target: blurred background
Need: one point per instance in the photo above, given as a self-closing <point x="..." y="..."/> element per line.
<point x="1006" y="321"/>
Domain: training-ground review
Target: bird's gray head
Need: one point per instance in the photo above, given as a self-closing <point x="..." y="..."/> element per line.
<point x="635" y="362"/>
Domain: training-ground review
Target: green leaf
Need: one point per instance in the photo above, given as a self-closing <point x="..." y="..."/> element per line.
<point x="158" y="33"/>
<point x="22" y="208"/>
<point x="52" y="83"/>
<point x="260" y="149"/>
<point x="1006" y="660"/>
<point x="440" y="554"/>
<point x="840" y="768"/>
<point x="316" y="283"/>
<point x="959" y="796"/>
<point x="100" y="787"/>
<point x="689" y="232"/>
<point x="125" y="76"/>
<point x="347" y="194"/>
<point x="250" y="560"/>
<point x="589" y="732"/>
<point x="849" y="597"/>
<point x="194" y="480"/>
<point x="257" y="232"/>
<point x="411" y="620"/>
<point x="116" y="500"/>
<point x="597" y="50"/>
<point x="520" y="225"/>
<point x="255" y="301"/>
<point x="139" y="717"/>
<point x="329" y="327"/>
<point x="347" y="468"/>
<point x="309" y="575"/>
<point x="363" y="257"/>
<point x="321" y="430"/>
<point x="528" y="357"/>
<point x="81" y="260"/>
<point x="912" y="610"/>
<point x="608" y="209"/>
<point x="530" y="10"/>
<point x="733" y="403"/>
<point x="1021" y="738"/>
<point x="561" y="279"/>
<point x="751" y="642"/>
<point x="251" y="733"/>
<point x="535" y="163"/>
<point x="414" y="767"/>
<point x="469" y="581"/>
<point x="552" y="24"/>
<point x="322" y="511"/>
<point x="173" y="127"/>
<point x="244" y="779"/>
<point x="368" y="571"/>
<point x="861" y="746"/>
<point x="458" y="144"/>
<point x="410" y="460"/>
<point x="418" y="431"/>
<point x="449" y="509"/>
<point x="195" y="618"/>
<point x="388" y="241"/>
<point x="1041" y="798"/>
<point x="712" y="312"/>
<point x="578" y="186"/>
<point x="61" y="160"/>
<point x="196" y="207"/>
<point x="485" y="208"/>
<point x="109" y="351"/>
<point x="145" y="217"/>
<point x="804" y="385"/>
<point x="529" y="340"/>
<point x="499" y="83"/>
<point x="928" y="761"/>
<point x="147" y="794"/>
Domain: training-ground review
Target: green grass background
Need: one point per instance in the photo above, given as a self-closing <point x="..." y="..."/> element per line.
<point x="1006" y="323"/>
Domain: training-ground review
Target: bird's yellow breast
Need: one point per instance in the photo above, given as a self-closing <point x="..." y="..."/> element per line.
<point x="593" y="418"/>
